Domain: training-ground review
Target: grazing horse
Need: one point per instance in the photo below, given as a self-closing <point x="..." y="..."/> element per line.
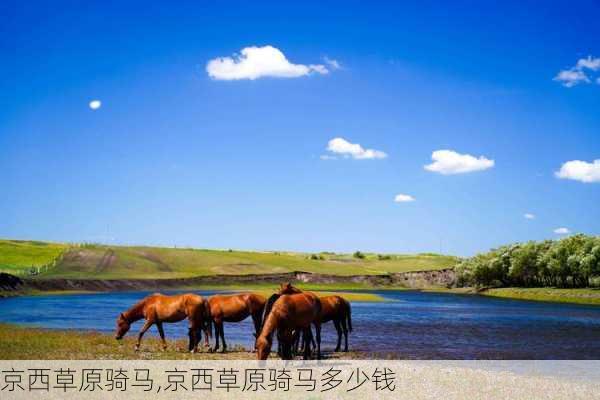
<point x="158" y="308"/>
<point x="290" y="312"/>
<point x="235" y="308"/>
<point x="333" y="308"/>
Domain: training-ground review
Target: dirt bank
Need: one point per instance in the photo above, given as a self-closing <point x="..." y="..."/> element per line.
<point x="415" y="280"/>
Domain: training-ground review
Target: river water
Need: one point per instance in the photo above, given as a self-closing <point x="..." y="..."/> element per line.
<point x="409" y="325"/>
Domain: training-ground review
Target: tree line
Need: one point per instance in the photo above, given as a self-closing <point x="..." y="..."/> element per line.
<point x="570" y="262"/>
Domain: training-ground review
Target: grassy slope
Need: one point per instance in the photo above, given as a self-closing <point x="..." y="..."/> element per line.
<point x="120" y="262"/>
<point x="16" y="255"/>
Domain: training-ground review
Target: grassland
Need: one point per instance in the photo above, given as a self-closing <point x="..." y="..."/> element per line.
<point x="138" y="262"/>
<point x="585" y="296"/>
<point x="20" y="343"/>
<point x="18" y="255"/>
<point x="589" y="296"/>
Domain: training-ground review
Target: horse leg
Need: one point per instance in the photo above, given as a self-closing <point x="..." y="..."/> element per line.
<point x="307" y="333"/>
<point x="318" y="331"/>
<point x="146" y="326"/>
<point x="206" y="335"/>
<point x="161" y="332"/>
<point x="338" y="329"/>
<point x="222" y="329"/>
<point x="217" y="324"/>
<point x="279" y="345"/>
<point x="296" y="341"/>
<point x="192" y="336"/>
<point x="257" y="319"/>
<point x="345" y="330"/>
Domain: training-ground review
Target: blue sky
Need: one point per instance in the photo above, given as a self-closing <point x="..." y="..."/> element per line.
<point x="175" y="156"/>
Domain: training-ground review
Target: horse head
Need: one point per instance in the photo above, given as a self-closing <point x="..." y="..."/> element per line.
<point x="287" y="288"/>
<point x="123" y="326"/>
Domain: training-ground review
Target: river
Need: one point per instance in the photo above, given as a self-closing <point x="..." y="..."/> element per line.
<point x="408" y="325"/>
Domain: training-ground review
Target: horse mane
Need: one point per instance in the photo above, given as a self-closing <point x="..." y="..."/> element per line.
<point x="135" y="312"/>
<point x="270" y="325"/>
<point x="268" y="307"/>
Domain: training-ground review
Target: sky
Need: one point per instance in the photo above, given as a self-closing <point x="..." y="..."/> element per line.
<point x="304" y="126"/>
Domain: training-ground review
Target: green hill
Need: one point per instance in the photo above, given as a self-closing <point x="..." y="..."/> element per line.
<point x="19" y="255"/>
<point x="126" y="262"/>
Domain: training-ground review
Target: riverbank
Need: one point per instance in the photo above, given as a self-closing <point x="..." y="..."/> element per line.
<point x="353" y="287"/>
<point x="21" y="343"/>
<point x="11" y="285"/>
<point x="584" y="296"/>
<point x="587" y="296"/>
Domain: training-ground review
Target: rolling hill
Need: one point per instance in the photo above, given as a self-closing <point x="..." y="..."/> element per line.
<point x="129" y="262"/>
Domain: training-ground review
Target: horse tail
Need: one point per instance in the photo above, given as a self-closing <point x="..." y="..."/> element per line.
<point x="209" y="326"/>
<point x="208" y="323"/>
<point x="349" y="316"/>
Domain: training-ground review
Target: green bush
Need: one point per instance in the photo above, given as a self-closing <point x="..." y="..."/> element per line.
<point x="570" y="262"/>
<point x="358" y="254"/>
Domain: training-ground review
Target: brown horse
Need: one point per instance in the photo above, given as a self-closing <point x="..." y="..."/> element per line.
<point x="333" y="308"/>
<point x="289" y="313"/>
<point x="235" y="308"/>
<point x="158" y="308"/>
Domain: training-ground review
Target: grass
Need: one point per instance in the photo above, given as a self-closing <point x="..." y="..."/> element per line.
<point x="577" y="296"/>
<point x="139" y="262"/>
<point x="20" y="343"/>
<point x="19" y="255"/>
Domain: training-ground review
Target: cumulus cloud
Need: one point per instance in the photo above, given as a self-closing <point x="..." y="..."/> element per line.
<point x="403" y="198"/>
<point x="259" y="62"/>
<point x="95" y="104"/>
<point x="529" y="216"/>
<point x="581" y="171"/>
<point x="562" y="231"/>
<point x="579" y="73"/>
<point x="449" y="162"/>
<point x="341" y="147"/>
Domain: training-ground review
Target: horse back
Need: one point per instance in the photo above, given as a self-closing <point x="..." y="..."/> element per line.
<point x="333" y="308"/>
<point x="298" y="309"/>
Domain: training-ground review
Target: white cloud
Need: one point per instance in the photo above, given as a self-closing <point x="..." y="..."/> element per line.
<point x="259" y="62"/>
<point x="327" y="157"/>
<point x="571" y="77"/>
<point x="403" y="198"/>
<point x="581" y="171"/>
<point x="562" y="231"/>
<point x="449" y="162"/>
<point x="589" y="63"/>
<point x="334" y="64"/>
<point x="575" y="75"/>
<point x="95" y="104"/>
<point x="529" y="216"/>
<point x="346" y="149"/>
